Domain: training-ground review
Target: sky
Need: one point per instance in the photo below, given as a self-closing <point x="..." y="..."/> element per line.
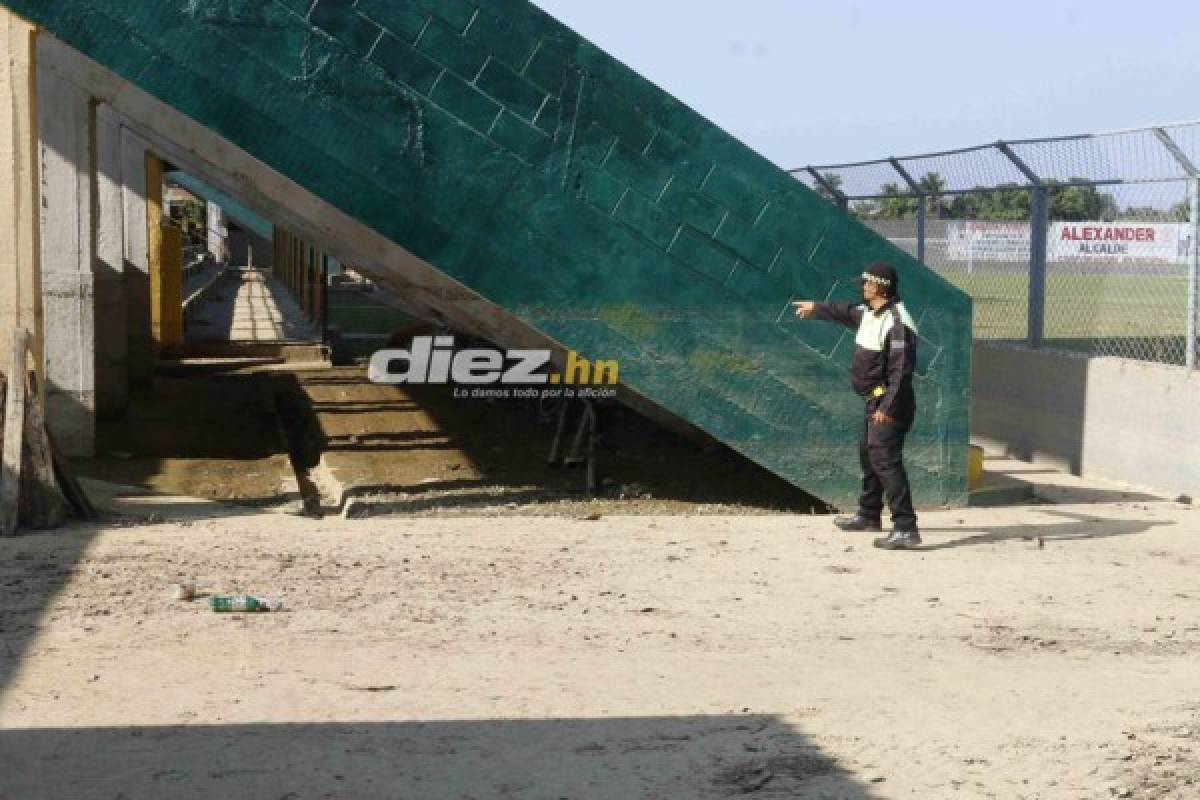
<point x="829" y="81"/>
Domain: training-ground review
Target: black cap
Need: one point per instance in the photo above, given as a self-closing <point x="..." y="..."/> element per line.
<point x="883" y="275"/>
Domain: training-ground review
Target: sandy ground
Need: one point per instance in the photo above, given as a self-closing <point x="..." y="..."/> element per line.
<point x="625" y="657"/>
<point x="203" y="435"/>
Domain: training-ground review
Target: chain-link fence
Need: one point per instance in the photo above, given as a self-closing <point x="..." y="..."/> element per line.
<point x="1084" y="243"/>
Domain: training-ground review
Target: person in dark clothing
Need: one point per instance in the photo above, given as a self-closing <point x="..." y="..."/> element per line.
<point x="881" y="373"/>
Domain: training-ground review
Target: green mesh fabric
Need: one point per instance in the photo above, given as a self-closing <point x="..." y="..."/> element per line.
<point x="524" y="162"/>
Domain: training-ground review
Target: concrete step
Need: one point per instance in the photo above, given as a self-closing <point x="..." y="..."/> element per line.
<point x="999" y="489"/>
<point x="280" y="351"/>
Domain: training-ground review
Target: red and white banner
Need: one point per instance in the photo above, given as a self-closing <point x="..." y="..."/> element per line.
<point x="1072" y="242"/>
<point x="1121" y="243"/>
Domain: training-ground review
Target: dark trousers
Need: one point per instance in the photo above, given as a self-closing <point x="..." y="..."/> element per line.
<point x="881" y="454"/>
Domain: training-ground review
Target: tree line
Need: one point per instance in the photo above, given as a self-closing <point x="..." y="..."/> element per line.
<point x="1069" y="201"/>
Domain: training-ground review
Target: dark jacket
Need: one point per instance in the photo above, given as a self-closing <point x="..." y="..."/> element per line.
<point x="885" y="354"/>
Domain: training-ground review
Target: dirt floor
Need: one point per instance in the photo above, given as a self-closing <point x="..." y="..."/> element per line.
<point x="214" y="436"/>
<point x="229" y="435"/>
<point x="1038" y="652"/>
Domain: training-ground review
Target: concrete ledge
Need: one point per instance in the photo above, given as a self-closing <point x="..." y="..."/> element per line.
<point x="1107" y="418"/>
<point x="154" y="507"/>
<point x="276" y="351"/>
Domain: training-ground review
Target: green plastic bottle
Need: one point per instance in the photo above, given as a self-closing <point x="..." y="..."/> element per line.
<point x="243" y="602"/>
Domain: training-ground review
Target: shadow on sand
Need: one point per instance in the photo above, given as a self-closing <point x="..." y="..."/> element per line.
<point x="583" y="759"/>
<point x="1077" y="527"/>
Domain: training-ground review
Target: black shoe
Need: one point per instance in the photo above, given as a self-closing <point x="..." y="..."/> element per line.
<point x="899" y="540"/>
<point x="858" y="523"/>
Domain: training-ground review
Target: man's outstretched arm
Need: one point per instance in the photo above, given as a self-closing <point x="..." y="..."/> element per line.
<point x="848" y="314"/>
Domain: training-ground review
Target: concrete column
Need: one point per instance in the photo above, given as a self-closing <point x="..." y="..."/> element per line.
<point x="306" y="281"/>
<point x="154" y="245"/>
<point x="20" y="186"/>
<point x="293" y="245"/>
<point x="66" y="120"/>
<point x="112" y="348"/>
<point x="216" y="232"/>
<point x="166" y="281"/>
<point x="319" y="301"/>
<point x="140" y="363"/>
<point x="289" y="259"/>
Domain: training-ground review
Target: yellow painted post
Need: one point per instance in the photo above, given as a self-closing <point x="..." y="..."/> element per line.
<point x="302" y="286"/>
<point x="168" y="300"/>
<point x="285" y="257"/>
<point x="294" y="280"/>
<point x="319" y="278"/>
<point x="301" y="270"/>
<point x="314" y="291"/>
<point x="310" y="258"/>
<point x="20" y="189"/>
<point x="154" y="243"/>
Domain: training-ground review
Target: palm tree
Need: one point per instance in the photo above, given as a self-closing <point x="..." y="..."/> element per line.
<point x="932" y="186"/>
<point x="896" y="204"/>
<point x="829" y="186"/>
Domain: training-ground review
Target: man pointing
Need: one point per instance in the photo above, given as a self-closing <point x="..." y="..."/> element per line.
<point x="881" y="373"/>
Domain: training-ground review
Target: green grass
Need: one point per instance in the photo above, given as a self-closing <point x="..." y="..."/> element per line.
<point x="1079" y="307"/>
<point x="357" y="312"/>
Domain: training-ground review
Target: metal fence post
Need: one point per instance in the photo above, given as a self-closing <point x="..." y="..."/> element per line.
<point x="1193" y="275"/>
<point x="921" y="229"/>
<point x="1040" y="212"/>
<point x="915" y="188"/>
<point x="1039" y="221"/>
<point x="1194" y="255"/>
<point x="836" y="194"/>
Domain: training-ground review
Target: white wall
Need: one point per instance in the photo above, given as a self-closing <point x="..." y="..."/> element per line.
<point x="112" y="351"/>
<point x="137" y="255"/>
<point x="217" y="232"/>
<point x="65" y="126"/>
<point x="1110" y="418"/>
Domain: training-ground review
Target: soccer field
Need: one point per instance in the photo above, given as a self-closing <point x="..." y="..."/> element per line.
<point x="1080" y="308"/>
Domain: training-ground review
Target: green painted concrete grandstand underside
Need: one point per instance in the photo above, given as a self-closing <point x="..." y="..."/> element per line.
<point x="520" y="160"/>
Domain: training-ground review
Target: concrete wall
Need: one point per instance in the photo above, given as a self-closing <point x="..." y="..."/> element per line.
<point x="66" y="123"/>
<point x="20" y="255"/>
<point x="112" y="350"/>
<point x="137" y="253"/>
<point x="1101" y="417"/>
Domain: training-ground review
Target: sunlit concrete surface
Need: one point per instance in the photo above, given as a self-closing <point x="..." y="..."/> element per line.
<point x="250" y="306"/>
